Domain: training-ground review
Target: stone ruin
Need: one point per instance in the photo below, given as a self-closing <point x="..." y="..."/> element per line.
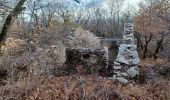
<point x="125" y="67"/>
<point x="126" y="64"/>
<point x="88" y="59"/>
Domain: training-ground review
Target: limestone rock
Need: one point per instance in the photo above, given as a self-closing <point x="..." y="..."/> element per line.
<point x="117" y="67"/>
<point x="124" y="74"/>
<point x="122" y="80"/>
<point x="119" y="79"/>
<point x="133" y="71"/>
<point x="128" y="54"/>
<point x="116" y="63"/>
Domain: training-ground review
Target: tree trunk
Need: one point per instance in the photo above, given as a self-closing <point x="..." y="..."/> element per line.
<point x="139" y="42"/>
<point x="9" y="20"/>
<point x="147" y="41"/>
<point x="158" y="47"/>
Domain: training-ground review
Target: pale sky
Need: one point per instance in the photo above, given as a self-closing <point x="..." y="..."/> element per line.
<point x="104" y="3"/>
<point x="134" y="2"/>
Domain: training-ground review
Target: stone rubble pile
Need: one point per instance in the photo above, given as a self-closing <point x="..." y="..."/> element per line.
<point x="126" y="64"/>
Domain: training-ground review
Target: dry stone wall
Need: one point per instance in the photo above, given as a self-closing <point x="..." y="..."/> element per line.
<point x="96" y="59"/>
<point x="125" y="65"/>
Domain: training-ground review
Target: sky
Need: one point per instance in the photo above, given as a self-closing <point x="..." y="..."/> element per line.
<point x="133" y="2"/>
<point x="103" y="3"/>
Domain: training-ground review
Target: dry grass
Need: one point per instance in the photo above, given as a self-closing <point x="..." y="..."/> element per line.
<point x="83" y="87"/>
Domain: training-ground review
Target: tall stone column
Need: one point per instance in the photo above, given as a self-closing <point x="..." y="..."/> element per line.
<point x="126" y="64"/>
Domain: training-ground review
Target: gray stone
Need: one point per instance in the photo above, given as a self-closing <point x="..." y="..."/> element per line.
<point x="116" y="63"/>
<point x="117" y="72"/>
<point x="124" y="74"/>
<point x="119" y="75"/>
<point x="133" y="71"/>
<point x="119" y="79"/>
<point x="122" y="80"/>
<point x="117" y="67"/>
<point x="126" y="53"/>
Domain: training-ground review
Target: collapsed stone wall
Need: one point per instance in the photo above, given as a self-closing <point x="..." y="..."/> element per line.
<point x="126" y="63"/>
<point x="95" y="59"/>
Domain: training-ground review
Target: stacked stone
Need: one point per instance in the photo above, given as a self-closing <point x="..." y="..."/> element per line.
<point x="96" y="59"/>
<point x="125" y="65"/>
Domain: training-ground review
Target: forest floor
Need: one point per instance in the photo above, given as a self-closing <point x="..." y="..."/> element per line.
<point x="88" y="87"/>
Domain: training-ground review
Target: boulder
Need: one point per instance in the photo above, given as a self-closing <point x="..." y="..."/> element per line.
<point x="133" y="72"/>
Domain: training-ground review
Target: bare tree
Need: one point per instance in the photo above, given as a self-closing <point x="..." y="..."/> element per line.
<point x="115" y="7"/>
<point x="159" y="45"/>
<point x="151" y="26"/>
<point x="10" y="18"/>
